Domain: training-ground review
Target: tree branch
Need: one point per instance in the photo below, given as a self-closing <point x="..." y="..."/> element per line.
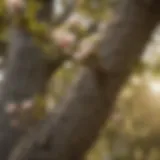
<point x="90" y="101"/>
<point x="17" y="82"/>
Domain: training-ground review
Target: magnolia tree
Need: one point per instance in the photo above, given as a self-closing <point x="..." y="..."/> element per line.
<point x="38" y="43"/>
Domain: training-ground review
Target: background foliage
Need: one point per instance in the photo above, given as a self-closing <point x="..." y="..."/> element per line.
<point x="133" y="131"/>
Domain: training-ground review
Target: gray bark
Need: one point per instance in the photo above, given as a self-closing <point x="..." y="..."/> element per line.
<point x="90" y="101"/>
<point x="27" y="73"/>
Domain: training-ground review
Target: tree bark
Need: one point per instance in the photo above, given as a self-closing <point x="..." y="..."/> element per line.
<point x="19" y="46"/>
<point x="90" y="101"/>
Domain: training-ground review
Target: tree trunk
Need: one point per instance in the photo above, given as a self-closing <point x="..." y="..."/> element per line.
<point x="90" y="102"/>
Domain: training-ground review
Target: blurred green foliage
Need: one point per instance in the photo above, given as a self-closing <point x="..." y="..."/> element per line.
<point x="38" y="29"/>
<point x="3" y="21"/>
<point x="133" y="130"/>
<point x="94" y="8"/>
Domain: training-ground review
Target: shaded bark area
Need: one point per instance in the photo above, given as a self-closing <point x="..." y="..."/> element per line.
<point x="26" y="74"/>
<point x="91" y="100"/>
